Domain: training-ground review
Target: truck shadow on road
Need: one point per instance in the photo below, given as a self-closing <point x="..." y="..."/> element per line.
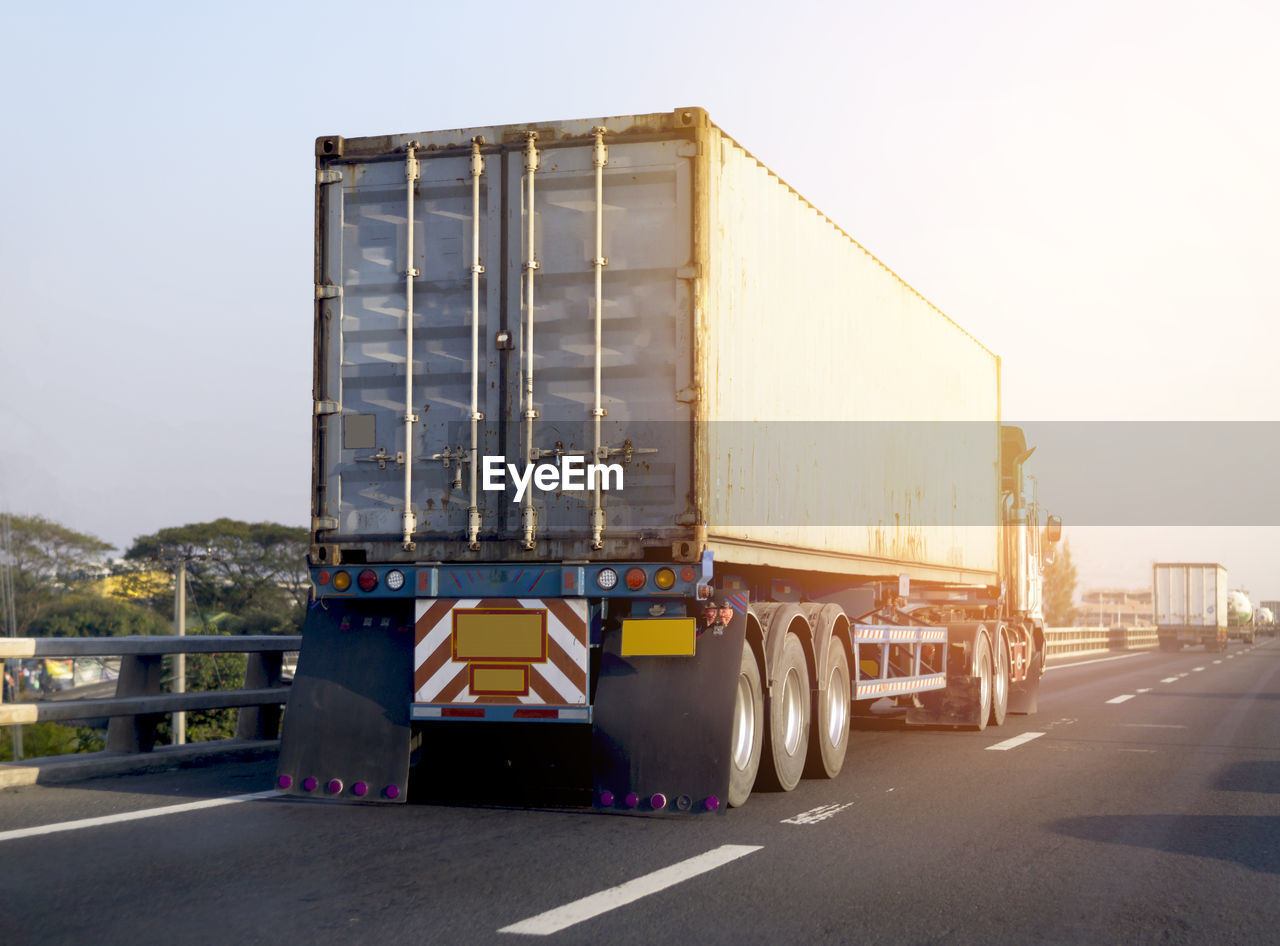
<point x="1249" y="840"/>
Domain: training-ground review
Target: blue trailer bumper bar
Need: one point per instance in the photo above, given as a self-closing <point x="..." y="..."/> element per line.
<point x="463" y="712"/>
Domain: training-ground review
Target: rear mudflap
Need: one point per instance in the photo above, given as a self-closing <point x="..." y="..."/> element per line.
<point x="346" y="727"/>
<point x="662" y="726"/>
<point x="957" y="705"/>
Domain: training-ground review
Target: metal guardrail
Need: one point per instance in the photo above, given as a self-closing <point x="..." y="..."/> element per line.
<point x="1062" y="642"/>
<point x="139" y="705"/>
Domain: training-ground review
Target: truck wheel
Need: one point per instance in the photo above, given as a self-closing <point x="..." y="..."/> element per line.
<point x="829" y="734"/>
<point x="1000" y="685"/>
<point x="748" y="730"/>
<point x="982" y="670"/>
<point x="787" y="736"/>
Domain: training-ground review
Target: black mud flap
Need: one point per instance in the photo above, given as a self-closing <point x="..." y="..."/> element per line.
<point x="346" y="727"/>
<point x="954" y="706"/>
<point x="1024" y="696"/>
<point x="662" y="726"/>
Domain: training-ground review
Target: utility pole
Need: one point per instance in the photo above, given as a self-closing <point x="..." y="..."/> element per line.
<point x="180" y="659"/>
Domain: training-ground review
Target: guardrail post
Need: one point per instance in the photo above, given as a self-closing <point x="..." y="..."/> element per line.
<point x="140" y="675"/>
<point x="261" y="722"/>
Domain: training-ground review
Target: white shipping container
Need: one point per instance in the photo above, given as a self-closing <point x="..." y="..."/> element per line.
<point x="774" y="392"/>
<point x="1190" y="595"/>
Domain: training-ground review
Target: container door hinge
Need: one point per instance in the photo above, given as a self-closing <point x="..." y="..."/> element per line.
<point x="324" y="407"/>
<point x="689" y="149"/>
<point x="323" y="523"/>
<point x="688" y="272"/>
<point x="328" y="292"/>
<point x="689" y="395"/>
<point x="328" y="176"/>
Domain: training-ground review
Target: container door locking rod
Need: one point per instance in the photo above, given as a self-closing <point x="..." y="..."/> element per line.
<point x="599" y="158"/>
<point x="528" y="515"/>
<point x="410" y="521"/>
<point x="477" y="170"/>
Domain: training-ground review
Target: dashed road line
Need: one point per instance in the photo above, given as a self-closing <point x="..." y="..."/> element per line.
<point x="553" y="921"/>
<point x="1016" y="741"/>
<point x="814" y="815"/>
<point x="1144" y="690"/>
<point x="1170" y="679"/>
<point x="1196" y="669"/>
<point x="131" y="816"/>
<point x="1121" y="699"/>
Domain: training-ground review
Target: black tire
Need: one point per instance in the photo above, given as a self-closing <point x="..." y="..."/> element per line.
<point x="1000" y="685"/>
<point x="786" y="741"/>
<point x="983" y="670"/>
<point x="832" y="707"/>
<point x="748" y="730"/>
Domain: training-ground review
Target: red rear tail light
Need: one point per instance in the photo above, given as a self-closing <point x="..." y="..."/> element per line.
<point x="368" y="580"/>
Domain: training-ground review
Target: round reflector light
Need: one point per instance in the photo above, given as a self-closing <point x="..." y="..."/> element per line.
<point x="395" y="579"/>
<point x="607" y="578"/>
<point x="687" y="574"/>
<point x="636" y="578"/>
<point x="341" y="581"/>
<point x="368" y="580"/>
<point x="664" y="578"/>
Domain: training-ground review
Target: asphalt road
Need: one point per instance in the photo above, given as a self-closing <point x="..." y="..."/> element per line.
<point x="1150" y="819"/>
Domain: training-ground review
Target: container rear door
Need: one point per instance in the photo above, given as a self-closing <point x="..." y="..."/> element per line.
<point x="366" y="247"/>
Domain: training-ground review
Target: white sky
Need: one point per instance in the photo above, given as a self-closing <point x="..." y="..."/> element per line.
<point x="1089" y="188"/>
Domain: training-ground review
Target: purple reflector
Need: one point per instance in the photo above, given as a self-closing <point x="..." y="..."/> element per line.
<point x="606" y="799"/>
<point x="392" y="791"/>
<point x="631" y="800"/>
<point x="309" y="784"/>
<point x="712" y="803"/>
<point x="359" y="788"/>
<point x="658" y="800"/>
<point x="334" y="786"/>
<point x="284" y="781"/>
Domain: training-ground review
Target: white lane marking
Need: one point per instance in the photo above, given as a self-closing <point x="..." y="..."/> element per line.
<point x="1144" y="690"/>
<point x="1196" y="669"/>
<point x="814" y="815"/>
<point x="1153" y="726"/>
<point x="130" y="816"/>
<point x="1121" y="699"/>
<point x="1137" y="750"/>
<point x="1181" y="675"/>
<point x="1015" y="741"/>
<point x="553" y="921"/>
<point x="1170" y="680"/>
<point x="1100" y="660"/>
<point x="1231" y="656"/>
<point x="1217" y="661"/>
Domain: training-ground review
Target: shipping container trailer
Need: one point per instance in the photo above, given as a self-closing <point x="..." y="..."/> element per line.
<point x="1190" y="603"/>
<point x="614" y="429"/>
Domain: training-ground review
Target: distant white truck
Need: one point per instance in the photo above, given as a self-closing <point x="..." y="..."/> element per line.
<point x="1190" y="601"/>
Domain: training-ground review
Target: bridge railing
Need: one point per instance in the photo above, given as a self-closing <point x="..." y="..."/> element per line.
<point x="139" y="704"/>
<point x="1065" y="642"/>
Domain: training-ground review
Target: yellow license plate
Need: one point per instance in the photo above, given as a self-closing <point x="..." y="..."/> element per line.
<point x="659" y="637"/>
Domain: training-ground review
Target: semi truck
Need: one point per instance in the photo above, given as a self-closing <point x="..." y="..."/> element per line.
<point x="614" y="430"/>
<point x="1240" y="616"/>
<point x="1265" y="619"/>
<point x="1190" y="602"/>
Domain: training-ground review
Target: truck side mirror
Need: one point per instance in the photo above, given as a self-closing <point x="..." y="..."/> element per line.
<point x="1053" y="529"/>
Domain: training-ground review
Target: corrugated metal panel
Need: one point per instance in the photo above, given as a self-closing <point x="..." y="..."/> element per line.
<point x="1190" y="594"/>
<point x="847" y="414"/>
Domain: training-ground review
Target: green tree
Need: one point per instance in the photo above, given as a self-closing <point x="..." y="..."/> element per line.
<point x="1060" y="589"/>
<point x="255" y="571"/>
<point x="76" y="614"/>
<point x="45" y="560"/>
